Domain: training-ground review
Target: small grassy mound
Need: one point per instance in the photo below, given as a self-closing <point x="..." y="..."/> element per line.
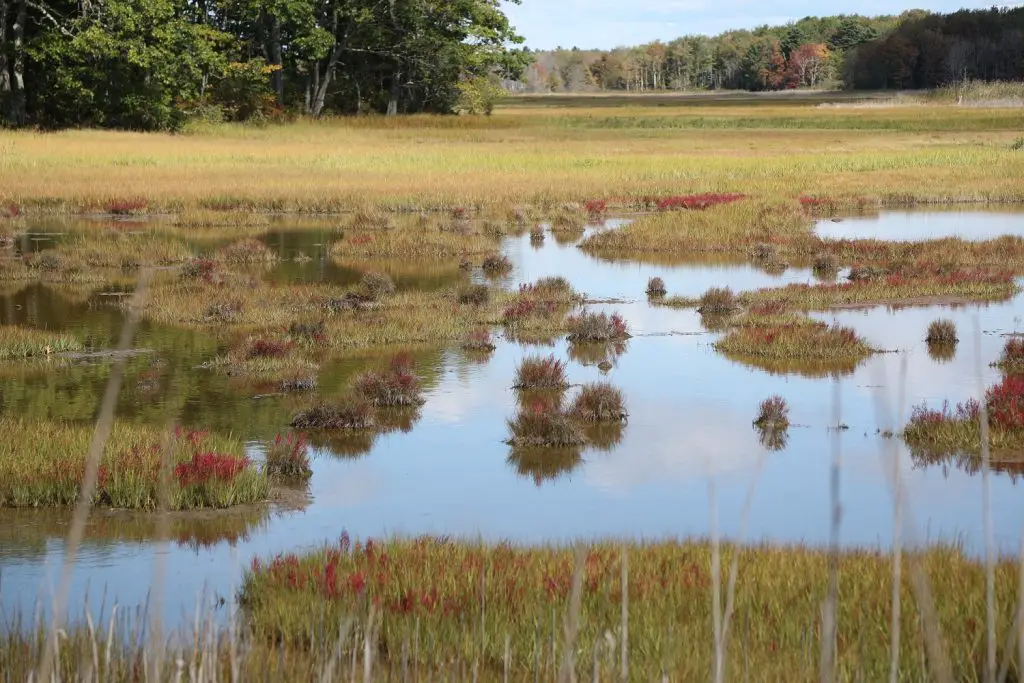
<point x="543" y="424"/>
<point x="288" y="457"/>
<point x="42" y="464"/>
<point x="398" y="386"/>
<point x="599" y="402"/>
<point x="718" y="300"/>
<point x="942" y="333"/>
<point x="245" y="252"/>
<point x="473" y="295"/>
<point x="656" y="288"/>
<point x="536" y="372"/>
<point x="597" y="327"/>
<point x="773" y="413"/>
<point x="496" y="264"/>
<point x="808" y="339"/>
<point x="479" y="340"/>
<point x="19" y="343"/>
<point x="350" y="413"/>
<point x="376" y="286"/>
<point x="1012" y="358"/>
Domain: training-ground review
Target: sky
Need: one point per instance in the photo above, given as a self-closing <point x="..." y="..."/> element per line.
<point x="606" y="24"/>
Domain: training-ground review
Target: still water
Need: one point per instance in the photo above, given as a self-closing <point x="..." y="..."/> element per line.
<point x="451" y="473"/>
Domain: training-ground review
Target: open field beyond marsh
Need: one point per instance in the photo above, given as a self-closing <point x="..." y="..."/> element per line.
<point x="526" y="153"/>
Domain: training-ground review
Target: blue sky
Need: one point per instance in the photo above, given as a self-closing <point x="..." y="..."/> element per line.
<point x="610" y="23"/>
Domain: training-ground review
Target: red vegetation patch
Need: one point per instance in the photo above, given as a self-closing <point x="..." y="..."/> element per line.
<point x="361" y="239"/>
<point x="12" y="211"/>
<point x="123" y="207"/>
<point x="596" y="208"/>
<point x="396" y="387"/>
<point x="698" y="201"/>
<point x="204" y="467"/>
<point x="270" y="348"/>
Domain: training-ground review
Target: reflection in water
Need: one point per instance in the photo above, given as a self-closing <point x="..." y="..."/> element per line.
<point x="928" y="224"/>
<point x="813" y="368"/>
<point x="598" y="353"/>
<point x="545" y="464"/>
<point x="942" y="353"/>
<point x="445" y="468"/>
<point x="772" y="438"/>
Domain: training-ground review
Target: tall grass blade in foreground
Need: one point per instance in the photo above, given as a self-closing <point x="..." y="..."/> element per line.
<point x="986" y="502"/>
<point x="830" y="611"/>
<point x="104" y="423"/>
<point x="937" y="657"/>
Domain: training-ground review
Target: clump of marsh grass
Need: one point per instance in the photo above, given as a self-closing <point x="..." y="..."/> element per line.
<point x="773" y="413"/>
<point x="537" y="372"/>
<point x="247" y="252"/>
<point x="824" y="267"/>
<point x="473" y="295"/>
<point x="496" y="264"/>
<point x="288" y="457"/>
<point x="352" y="412"/>
<point x="208" y="218"/>
<point x="543" y="425"/>
<point x="597" y="327"/>
<point x="128" y="206"/>
<point x="599" y="402"/>
<point x="718" y="300"/>
<point x="398" y="386"/>
<point x="805" y="340"/>
<point x="20" y="343"/>
<point x="371" y="219"/>
<point x="656" y="288"/>
<point x="942" y="333"/>
<point x="1012" y="357"/>
<point x="376" y="286"/>
<point x="537" y="235"/>
<point x="309" y="331"/>
<point x="478" y="340"/>
<point x="1018" y="144"/>
<point x="270" y="348"/>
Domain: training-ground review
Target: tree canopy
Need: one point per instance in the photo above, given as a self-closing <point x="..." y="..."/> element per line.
<point x="151" y="64"/>
<point x="916" y="49"/>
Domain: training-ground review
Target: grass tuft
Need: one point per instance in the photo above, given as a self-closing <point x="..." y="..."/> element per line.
<point x="656" y="288"/>
<point x="288" y="457"/>
<point x="376" y="286"/>
<point x="773" y="413"/>
<point x="942" y="333"/>
<point x="398" y="386"/>
<point x="718" y="300"/>
<point x="543" y="424"/>
<point x="536" y="372"/>
<point x="353" y="412"/>
<point x="496" y="264"/>
<point x="597" y="327"/>
<point x="599" y="402"/>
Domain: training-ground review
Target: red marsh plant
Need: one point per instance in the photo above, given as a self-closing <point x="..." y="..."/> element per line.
<point x="398" y="386"/>
<point x="597" y="327"/>
<point x="697" y="201"/>
<point x="947" y="432"/>
<point x="478" y="340"/>
<point x="496" y="264"/>
<point x="599" y="402"/>
<point x="537" y="372"/>
<point x="542" y="424"/>
<point x="270" y="348"/>
<point x="127" y="206"/>
<point x="596" y="208"/>
<point x="352" y="412"/>
<point x="204" y="467"/>
<point x="773" y="413"/>
<point x="288" y="457"/>
<point x="656" y="288"/>
<point x="12" y="211"/>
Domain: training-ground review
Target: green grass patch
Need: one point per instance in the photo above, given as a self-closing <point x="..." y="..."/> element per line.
<point x="19" y="343"/>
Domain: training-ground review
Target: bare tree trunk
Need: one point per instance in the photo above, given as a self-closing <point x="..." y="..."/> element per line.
<point x="396" y="77"/>
<point x="277" y="78"/>
<point x="18" y="99"/>
<point x="5" y="74"/>
<point x="320" y="94"/>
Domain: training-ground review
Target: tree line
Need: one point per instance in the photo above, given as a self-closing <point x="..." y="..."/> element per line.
<point x="154" y="64"/>
<point x="916" y="49"/>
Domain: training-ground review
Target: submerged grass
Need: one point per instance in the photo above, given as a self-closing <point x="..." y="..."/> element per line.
<point x="19" y="343"/>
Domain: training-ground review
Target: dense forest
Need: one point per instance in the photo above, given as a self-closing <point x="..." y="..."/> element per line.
<point x="916" y="49"/>
<point x="153" y="64"/>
